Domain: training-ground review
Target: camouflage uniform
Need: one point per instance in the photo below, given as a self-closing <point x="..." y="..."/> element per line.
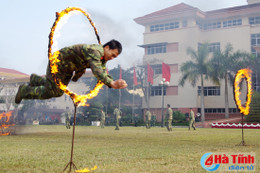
<point x="76" y="59"/>
<point x="148" y="119"/>
<point x="117" y="113"/>
<point x="169" y="119"/>
<point x="103" y="119"/>
<point x="68" y="116"/>
<point x="153" y="120"/>
<point x="192" y="120"/>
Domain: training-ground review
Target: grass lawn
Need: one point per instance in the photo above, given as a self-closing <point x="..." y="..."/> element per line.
<point x="131" y="149"/>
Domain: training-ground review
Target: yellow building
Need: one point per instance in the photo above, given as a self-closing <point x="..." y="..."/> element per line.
<point x="169" y="32"/>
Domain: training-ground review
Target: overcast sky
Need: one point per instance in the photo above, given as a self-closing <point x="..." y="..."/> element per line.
<point x="25" y="26"/>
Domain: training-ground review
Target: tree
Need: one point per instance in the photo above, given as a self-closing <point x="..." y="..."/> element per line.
<point x="195" y="69"/>
<point x="109" y="96"/>
<point x="254" y="114"/>
<point x="225" y="64"/>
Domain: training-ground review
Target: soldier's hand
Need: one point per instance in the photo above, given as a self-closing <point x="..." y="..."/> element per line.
<point x="75" y="79"/>
<point x="119" y="84"/>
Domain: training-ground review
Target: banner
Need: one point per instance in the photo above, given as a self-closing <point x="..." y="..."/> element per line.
<point x="166" y="72"/>
<point x="149" y="74"/>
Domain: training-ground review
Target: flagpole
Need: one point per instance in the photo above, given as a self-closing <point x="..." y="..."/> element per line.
<point x="119" y="104"/>
<point x="133" y="104"/>
<point x="107" y="99"/>
<point x="120" y="77"/>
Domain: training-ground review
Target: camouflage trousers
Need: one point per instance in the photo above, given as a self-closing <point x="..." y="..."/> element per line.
<point x="192" y="124"/>
<point x="117" y="124"/>
<point x="102" y="123"/>
<point x="43" y="87"/>
<point x="169" y="125"/>
<point x="148" y="124"/>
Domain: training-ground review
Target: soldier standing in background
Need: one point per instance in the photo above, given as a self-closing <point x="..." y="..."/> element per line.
<point x="192" y="120"/>
<point x="72" y="64"/>
<point x="68" y="116"/>
<point x="148" y="118"/>
<point x="169" y="117"/>
<point x="103" y="119"/>
<point x="153" y="120"/>
<point x="117" y="114"/>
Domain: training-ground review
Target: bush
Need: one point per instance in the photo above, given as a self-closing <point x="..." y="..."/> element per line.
<point x="254" y="114"/>
<point x="178" y="116"/>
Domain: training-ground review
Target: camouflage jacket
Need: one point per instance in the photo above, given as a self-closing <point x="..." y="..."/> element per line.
<point x="192" y="116"/>
<point x="103" y="115"/>
<point x="169" y="114"/>
<point x="148" y="115"/>
<point x="117" y="113"/>
<point x="77" y="58"/>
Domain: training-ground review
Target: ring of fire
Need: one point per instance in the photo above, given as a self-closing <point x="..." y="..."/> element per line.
<point x="80" y="100"/>
<point x="243" y="73"/>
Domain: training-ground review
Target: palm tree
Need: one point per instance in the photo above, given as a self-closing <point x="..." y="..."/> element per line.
<point x="225" y="65"/>
<point x="195" y="69"/>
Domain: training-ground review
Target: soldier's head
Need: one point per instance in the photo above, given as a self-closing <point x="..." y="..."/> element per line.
<point x="168" y="105"/>
<point x="112" y="49"/>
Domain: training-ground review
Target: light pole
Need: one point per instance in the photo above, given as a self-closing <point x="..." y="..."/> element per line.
<point x="164" y="85"/>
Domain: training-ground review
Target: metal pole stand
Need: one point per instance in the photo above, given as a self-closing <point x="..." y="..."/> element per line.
<point x="71" y="164"/>
<point x="242" y="143"/>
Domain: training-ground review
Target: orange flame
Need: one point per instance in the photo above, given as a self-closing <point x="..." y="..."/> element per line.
<point x="5" y="124"/>
<point x="243" y="73"/>
<point x="87" y="170"/>
<point x="79" y="100"/>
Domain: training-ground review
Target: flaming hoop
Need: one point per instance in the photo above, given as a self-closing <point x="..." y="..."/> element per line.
<point x="244" y="110"/>
<point x="79" y="100"/>
<point x="243" y="73"/>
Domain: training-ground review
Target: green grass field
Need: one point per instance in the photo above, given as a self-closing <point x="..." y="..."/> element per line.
<point x="132" y="149"/>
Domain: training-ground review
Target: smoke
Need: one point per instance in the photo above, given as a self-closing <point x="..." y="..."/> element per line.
<point x="76" y="29"/>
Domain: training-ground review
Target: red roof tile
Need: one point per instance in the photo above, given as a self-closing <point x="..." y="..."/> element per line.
<point x="6" y="70"/>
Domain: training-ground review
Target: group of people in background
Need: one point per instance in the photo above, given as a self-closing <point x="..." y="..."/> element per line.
<point x="148" y="118"/>
<point x="169" y="118"/>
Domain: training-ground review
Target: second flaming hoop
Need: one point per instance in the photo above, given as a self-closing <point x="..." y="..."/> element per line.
<point x="243" y="73"/>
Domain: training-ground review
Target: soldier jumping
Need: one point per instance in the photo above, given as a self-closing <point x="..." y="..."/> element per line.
<point x="73" y="62"/>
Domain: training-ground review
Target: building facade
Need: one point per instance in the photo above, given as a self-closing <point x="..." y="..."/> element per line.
<point x="48" y="109"/>
<point x="170" y="32"/>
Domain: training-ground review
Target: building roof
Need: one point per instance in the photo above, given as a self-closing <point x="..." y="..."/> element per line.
<point x="183" y="10"/>
<point x="180" y="10"/>
<point x="234" y="11"/>
<point x="6" y="73"/>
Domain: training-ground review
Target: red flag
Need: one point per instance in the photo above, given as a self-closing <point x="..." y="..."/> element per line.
<point x="135" y="79"/>
<point x="149" y="74"/>
<point x="120" y="76"/>
<point x="166" y="72"/>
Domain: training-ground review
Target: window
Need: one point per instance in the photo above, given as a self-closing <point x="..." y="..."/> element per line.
<point x="157" y="91"/>
<point x="255" y="41"/>
<point x="219" y="110"/>
<point x="210" y="91"/>
<point x="165" y="26"/>
<point x="254" y="20"/>
<point x="155" y="49"/>
<point x="184" y="23"/>
<point x="213" y="47"/>
<point x="157" y="68"/>
<point x="209" y="26"/>
<point x="230" y="23"/>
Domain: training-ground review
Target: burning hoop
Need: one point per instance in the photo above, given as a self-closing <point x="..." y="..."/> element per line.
<point x="80" y="100"/>
<point x="243" y="73"/>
